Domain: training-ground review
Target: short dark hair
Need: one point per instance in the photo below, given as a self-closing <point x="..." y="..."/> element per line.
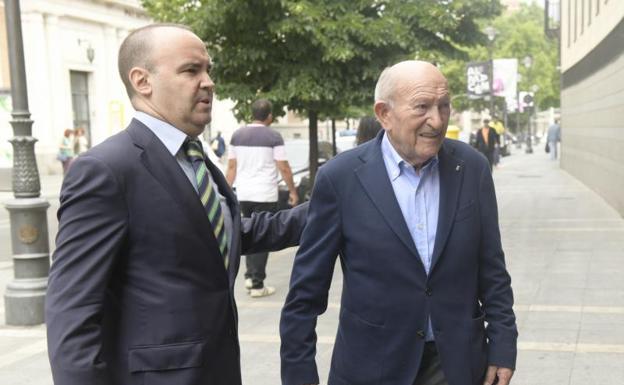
<point x="260" y="109"/>
<point x="367" y="129"/>
<point x="136" y="51"/>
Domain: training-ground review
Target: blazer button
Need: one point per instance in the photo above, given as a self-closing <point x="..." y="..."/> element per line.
<point x="420" y="334"/>
<point x="428" y="291"/>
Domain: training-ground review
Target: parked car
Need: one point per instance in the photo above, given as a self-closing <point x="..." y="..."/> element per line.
<point x="297" y="151"/>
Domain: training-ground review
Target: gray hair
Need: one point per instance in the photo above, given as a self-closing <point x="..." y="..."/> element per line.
<point x="385" y="87"/>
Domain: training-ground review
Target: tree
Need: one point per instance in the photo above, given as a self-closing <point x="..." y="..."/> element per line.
<point x="320" y="57"/>
<point x="519" y="34"/>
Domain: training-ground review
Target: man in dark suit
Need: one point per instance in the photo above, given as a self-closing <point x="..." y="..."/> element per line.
<point x="413" y="217"/>
<point x="150" y="235"/>
<point x="487" y="141"/>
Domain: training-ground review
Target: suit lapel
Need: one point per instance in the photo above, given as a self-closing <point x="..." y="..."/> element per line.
<point x="374" y="179"/>
<point x="165" y="169"/>
<point x="451" y="172"/>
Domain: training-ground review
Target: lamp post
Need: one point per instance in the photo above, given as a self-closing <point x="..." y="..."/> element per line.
<point x="528" y="63"/>
<point x="25" y="294"/>
<point x="491" y="35"/>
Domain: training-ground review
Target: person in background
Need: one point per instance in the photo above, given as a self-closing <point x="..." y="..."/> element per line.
<point x="486" y="141"/>
<point x="553" y="138"/>
<point x="218" y="145"/>
<point x="256" y="155"/>
<point x="66" y="150"/>
<point x="367" y="129"/>
<point x="413" y="218"/>
<point x="81" y="144"/>
<point x="498" y="126"/>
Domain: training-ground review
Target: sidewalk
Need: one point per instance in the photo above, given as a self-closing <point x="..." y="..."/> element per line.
<point x="564" y="248"/>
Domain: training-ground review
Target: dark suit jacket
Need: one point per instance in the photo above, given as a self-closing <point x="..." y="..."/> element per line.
<point x="138" y="292"/>
<point x="386" y="294"/>
<point x="487" y="149"/>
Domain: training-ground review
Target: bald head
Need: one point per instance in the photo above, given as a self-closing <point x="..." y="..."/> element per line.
<point x="392" y="78"/>
<point x="138" y="47"/>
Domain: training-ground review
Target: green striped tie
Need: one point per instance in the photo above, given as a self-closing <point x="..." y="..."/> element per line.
<point x="207" y="194"/>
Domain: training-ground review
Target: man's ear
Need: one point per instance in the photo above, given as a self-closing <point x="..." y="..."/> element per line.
<point x="381" y="109"/>
<point x="140" y="80"/>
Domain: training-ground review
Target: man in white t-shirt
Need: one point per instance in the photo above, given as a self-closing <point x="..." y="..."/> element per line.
<point x="255" y="155"/>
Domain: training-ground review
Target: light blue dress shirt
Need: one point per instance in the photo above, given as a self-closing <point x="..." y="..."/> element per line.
<point x="173" y="139"/>
<point x="418" y="195"/>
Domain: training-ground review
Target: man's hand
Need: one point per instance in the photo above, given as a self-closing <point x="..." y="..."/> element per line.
<point x="293" y="198"/>
<point x="495" y="372"/>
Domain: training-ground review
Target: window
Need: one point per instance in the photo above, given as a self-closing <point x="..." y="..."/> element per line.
<point x="570" y="22"/>
<point x="575" y="19"/>
<point x="80" y="101"/>
<point x="582" y="16"/>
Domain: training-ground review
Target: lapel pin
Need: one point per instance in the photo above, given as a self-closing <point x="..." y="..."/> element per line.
<point x="458" y="167"/>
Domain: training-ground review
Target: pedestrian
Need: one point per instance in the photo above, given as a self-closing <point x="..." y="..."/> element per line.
<point x="367" y="129"/>
<point x="142" y="281"/>
<point x="65" y="153"/>
<point x="413" y="218"/>
<point x="553" y="138"/>
<point x="256" y="155"/>
<point x="499" y="128"/>
<point x="81" y="144"/>
<point x="218" y="145"/>
<point x="486" y="141"/>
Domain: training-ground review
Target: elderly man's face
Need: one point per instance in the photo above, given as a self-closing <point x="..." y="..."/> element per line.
<point x="417" y="120"/>
<point x="181" y="85"/>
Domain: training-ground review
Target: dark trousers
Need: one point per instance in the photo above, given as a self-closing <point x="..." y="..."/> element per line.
<point x="490" y="157"/>
<point x="256" y="263"/>
<point x="430" y="371"/>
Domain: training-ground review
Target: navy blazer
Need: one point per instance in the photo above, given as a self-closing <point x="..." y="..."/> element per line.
<point x="387" y="296"/>
<point x="138" y="292"/>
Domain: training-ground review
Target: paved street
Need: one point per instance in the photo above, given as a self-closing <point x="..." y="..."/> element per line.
<point x="564" y="248"/>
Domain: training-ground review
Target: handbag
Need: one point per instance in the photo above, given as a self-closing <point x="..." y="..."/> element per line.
<point x="61" y="156"/>
<point x="547" y="148"/>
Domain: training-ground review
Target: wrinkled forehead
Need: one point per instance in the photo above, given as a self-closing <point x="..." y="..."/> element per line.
<point x="423" y="88"/>
<point x="419" y="77"/>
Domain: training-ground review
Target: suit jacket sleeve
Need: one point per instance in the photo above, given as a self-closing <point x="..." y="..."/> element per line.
<point x="266" y="231"/>
<point x="309" y="285"/>
<point x="92" y="227"/>
<point x="494" y="282"/>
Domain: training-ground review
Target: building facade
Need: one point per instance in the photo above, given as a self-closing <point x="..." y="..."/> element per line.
<point x="70" y="53"/>
<point x="592" y="95"/>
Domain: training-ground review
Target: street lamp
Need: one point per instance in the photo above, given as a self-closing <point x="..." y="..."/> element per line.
<point x="528" y="63"/>
<point x="90" y="51"/>
<point x="25" y="294"/>
<point x="491" y="35"/>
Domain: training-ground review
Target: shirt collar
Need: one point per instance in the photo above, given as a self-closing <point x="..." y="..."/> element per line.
<point x="170" y="136"/>
<point x="396" y="163"/>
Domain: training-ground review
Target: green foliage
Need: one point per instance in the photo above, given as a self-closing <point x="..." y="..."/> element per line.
<point x="519" y="34"/>
<point x="320" y="55"/>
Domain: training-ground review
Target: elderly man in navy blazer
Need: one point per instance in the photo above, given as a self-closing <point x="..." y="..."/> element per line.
<point x="150" y="236"/>
<point x="412" y="217"/>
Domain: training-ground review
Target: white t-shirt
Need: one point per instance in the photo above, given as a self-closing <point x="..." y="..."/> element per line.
<point x="256" y="149"/>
